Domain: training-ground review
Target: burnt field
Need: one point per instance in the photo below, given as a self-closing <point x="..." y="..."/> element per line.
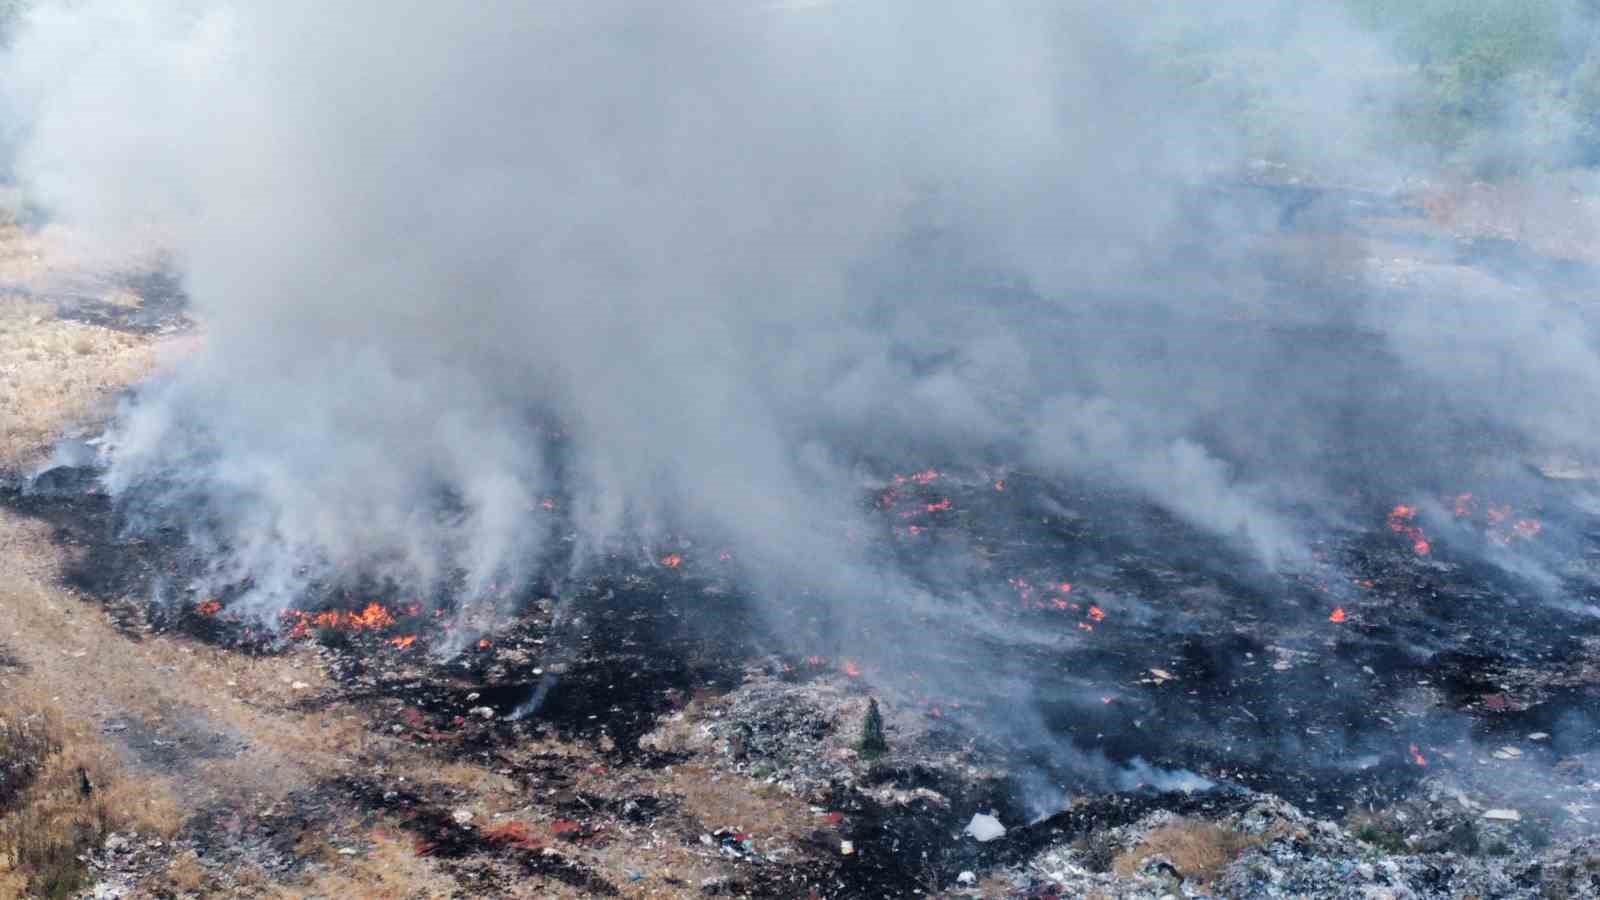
<point x="1118" y="663"/>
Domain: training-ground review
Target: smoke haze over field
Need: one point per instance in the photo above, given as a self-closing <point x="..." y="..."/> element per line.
<point x="739" y="252"/>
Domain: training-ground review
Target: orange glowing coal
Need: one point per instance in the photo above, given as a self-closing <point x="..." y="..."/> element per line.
<point x="926" y="476"/>
<point x="851" y="669"/>
<point x="483" y="644"/>
<point x="1097" y="614"/>
<point x="209" y="608"/>
<point x="403" y="641"/>
<point x="1000" y="485"/>
<point x="1337" y="615"/>
<point x="1400" y="522"/>
<point x="1527" y="529"/>
<point x="1417" y="757"/>
<point x="672" y="560"/>
<point x="941" y="506"/>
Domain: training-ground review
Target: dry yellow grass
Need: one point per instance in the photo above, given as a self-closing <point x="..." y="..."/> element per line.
<point x="1199" y="850"/>
<point x="55" y="373"/>
<point x="56" y="818"/>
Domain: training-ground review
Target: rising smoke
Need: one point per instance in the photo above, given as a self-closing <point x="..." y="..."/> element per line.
<point x="714" y="265"/>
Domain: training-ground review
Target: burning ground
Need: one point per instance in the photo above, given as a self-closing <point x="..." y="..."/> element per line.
<point x="1407" y="710"/>
<point x="586" y="486"/>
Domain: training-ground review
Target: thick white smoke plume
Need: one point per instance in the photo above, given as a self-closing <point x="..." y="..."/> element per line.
<point x="704" y="258"/>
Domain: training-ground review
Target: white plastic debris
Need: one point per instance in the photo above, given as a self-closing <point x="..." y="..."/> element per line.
<point x="1506" y="753"/>
<point x="966" y="877"/>
<point x="1502" y="815"/>
<point x="1539" y="736"/>
<point x="462" y="816"/>
<point x="486" y="712"/>
<point x="984" y="828"/>
<point x="847" y="848"/>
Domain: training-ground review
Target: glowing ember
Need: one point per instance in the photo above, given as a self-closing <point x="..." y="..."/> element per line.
<point x="941" y="506"/>
<point x="1527" y="529"/>
<point x="672" y="560"/>
<point x="1097" y="614"/>
<point x="816" y="660"/>
<point x="1400" y="522"/>
<point x="547" y="503"/>
<point x="926" y="476"/>
<point x="1064" y="587"/>
<point x="851" y="669"/>
<point x="209" y="608"/>
<point x="403" y="641"/>
<point x="1085" y="626"/>
<point x="1498" y="514"/>
<point x="916" y="530"/>
<point x="513" y="834"/>
<point x="1107" y="700"/>
<point x="724" y="556"/>
<point x="1417" y="757"/>
<point x="1000" y="485"/>
<point x="483" y="644"/>
<point x="1337" y="615"/>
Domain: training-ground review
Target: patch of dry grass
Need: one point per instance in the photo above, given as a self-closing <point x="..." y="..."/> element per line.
<point x="55" y="373"/>
<point x="1199" y="850"/>
<point x="79" y="793"/>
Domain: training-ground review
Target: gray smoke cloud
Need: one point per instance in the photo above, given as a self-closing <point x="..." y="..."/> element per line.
<point x="733" y="252"/>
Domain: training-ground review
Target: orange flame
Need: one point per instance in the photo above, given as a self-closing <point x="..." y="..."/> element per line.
<point x="373" y="618"/>
<point x="1417" y="757"/>
<point x="1000" y="485"/>
<point x="483" y="644"/>
<point x="941" y="506"/>
<point x="926" y="476"/>
<point x="1097" y="614"/>
<point x="1527" y="529"/>
<point x="403" y="641"/>
<point x="1337" y="615"/>
<point x="851" y="669"/>
<point x="672" y="560"/>
<point x="209" y="608"/>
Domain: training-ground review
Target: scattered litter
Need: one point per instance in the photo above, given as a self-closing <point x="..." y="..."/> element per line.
<point x="1502" y="815"/>
<point x="1163" y="675"/>
<point x="1539" y="736"/>
<point x="1507" y="753"/>
<point x="984" y="828"/>
<point x="966" y="877"/>
<point x="847" y="848"/>
<point x="462" y="816"/>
